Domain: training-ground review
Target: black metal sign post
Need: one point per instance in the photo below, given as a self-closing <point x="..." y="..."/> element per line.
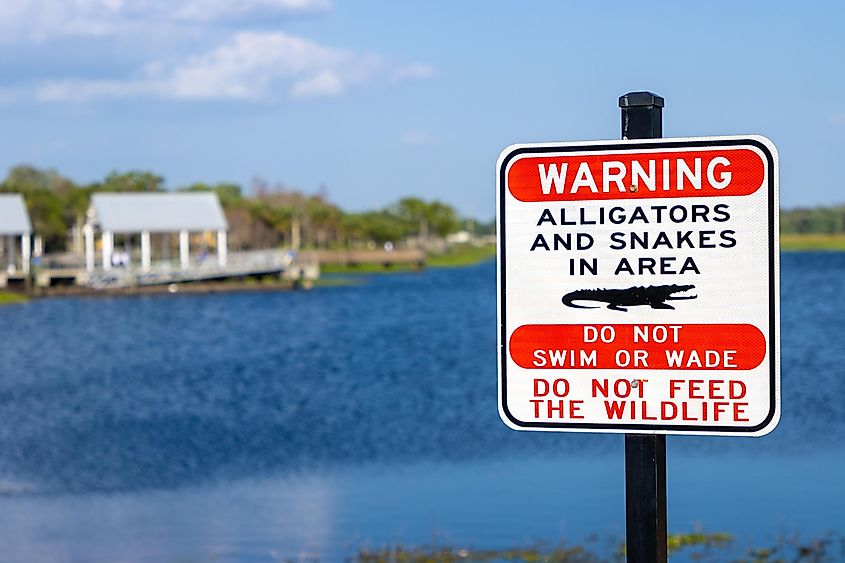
<point x="645" y="454"/>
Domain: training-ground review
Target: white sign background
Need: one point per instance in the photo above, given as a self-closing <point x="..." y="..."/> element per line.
<point x="736" y="285"/>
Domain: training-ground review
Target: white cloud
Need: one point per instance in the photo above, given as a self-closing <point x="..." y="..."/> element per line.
<point x="250" y="66"/>
<point x="41" y="20"/>
<point x="225" y="64"/>
<point x="326" y="83"/>
<point x="415" y="71"/>
<point x="246" y="66"/>
<point x="210" y="10"/>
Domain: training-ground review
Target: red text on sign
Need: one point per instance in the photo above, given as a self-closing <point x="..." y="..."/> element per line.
<point x="637" y="175"/>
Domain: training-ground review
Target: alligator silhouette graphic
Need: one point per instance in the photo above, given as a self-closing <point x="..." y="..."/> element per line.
<point x="655" y="296"/>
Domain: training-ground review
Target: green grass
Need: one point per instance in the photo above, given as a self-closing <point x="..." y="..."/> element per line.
<point x="368" y="268"/>
<point x="812" y="242"/>
<point x="8" y="298"/>
<point x="462" y="255"/>
<point x="456" y="256"/>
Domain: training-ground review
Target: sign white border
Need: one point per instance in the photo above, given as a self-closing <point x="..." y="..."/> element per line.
<point x="764" y="145"/>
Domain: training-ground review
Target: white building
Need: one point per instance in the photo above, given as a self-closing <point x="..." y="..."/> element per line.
<point x="144" y="214"/>
<point x="16" y="232"/>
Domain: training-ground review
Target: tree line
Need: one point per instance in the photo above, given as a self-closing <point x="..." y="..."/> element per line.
<point x="815" y="220"/>
<point x="272" y="215"/>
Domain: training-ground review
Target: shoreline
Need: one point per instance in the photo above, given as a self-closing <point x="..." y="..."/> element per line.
<point x="456" y="257"/>
<point x="696" y="545"/>
<point x="812" y="242"/>
<point x="337" y="275"/>
<point x="170" y="289"/>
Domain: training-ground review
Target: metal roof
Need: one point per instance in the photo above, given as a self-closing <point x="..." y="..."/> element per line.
<point x="158" y="212"/>
<point x="14" y="220"/>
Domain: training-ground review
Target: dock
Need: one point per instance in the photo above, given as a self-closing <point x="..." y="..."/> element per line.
<point x="285" y="264"/>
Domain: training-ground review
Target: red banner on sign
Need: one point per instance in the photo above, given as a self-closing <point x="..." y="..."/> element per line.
<point x="637" y="175"/>
<point x="631" y="346"/>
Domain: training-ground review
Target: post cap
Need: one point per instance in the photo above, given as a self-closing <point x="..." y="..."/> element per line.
<point x="639" y="99"/>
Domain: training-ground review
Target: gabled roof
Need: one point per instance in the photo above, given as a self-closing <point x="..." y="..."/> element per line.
<point x="158" y="212"/>
<point x="14" y="220"/>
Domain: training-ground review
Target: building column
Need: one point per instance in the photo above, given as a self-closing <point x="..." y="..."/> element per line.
<point x="145" y="251"/>
<point x="11" y="262"/>
<point x="76" y="239"/>
<point x="25" y="253"/>
<point x="222" y="248"/>
<point x="184" y="249"/>
<point x="108" y="247"/>
<point x="88" y="231"/>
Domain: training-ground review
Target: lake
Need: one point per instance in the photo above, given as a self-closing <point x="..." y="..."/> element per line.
<point x="285" y="426"/>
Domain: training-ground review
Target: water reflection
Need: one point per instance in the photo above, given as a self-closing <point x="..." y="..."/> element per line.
<point x="331" y="514"/>
<point x="264" y="425"/>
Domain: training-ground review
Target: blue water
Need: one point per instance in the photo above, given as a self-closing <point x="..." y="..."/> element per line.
<point x="273" y="426"/>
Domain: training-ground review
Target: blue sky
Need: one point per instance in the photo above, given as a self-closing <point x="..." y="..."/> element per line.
<point x="378" y="100"/>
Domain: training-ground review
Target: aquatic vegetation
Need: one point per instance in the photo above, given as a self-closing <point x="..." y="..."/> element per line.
<point x="7" y="298"/>
<point x="695" y="546"/>
<point x="559" y="554"/>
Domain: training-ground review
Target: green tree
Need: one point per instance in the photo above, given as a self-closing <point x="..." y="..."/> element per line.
<point x="229" y="193"/>
<point x="414" y="213"/>
<point x="425" y="218"/>
<point x="827" y="220"/>
<point x="132" y="181"/>
<point x="381" y="226"/>
<point x="47" y="196"/>
<point x="442" y="218"/>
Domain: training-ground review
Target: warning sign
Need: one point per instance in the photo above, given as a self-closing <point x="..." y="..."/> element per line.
<point x="638" y="286"/>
